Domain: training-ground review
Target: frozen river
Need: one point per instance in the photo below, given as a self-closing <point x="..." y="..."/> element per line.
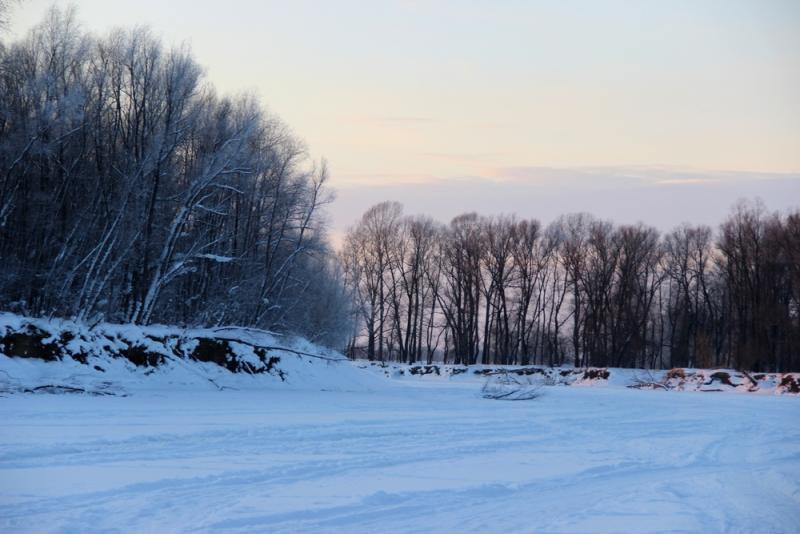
<point x="409" y="457"/>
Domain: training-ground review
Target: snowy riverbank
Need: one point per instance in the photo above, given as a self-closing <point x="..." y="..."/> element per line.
<point x="57" y="356"/>
<point x="677" y="380"/>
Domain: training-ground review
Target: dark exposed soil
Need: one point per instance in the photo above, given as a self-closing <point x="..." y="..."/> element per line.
<point x="722" y="377"/>
<point x="592" y="374"/>
<point x="791" y="384"/>
<point x="424" y="370"/>
<point x="215" y="351"/>
<point x="141" y="357"/>
<point x="30" y="343"/>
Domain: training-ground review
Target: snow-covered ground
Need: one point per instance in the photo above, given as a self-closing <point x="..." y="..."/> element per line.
<point x="400" y="456"/>
<point x="52" y="355"/>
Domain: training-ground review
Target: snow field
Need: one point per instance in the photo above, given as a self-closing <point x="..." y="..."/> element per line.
<point x="409" y="456"/>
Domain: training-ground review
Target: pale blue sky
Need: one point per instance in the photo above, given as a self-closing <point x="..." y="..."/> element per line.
<point x="412" y="98"/>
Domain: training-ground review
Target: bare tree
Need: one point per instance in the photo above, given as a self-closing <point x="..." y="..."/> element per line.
<point x="502" y="291"/>
<point x="460" y="296"/>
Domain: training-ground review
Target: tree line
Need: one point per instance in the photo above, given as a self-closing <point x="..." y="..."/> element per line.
<point x="131" y="191"/>
<point x="504" y="290"/>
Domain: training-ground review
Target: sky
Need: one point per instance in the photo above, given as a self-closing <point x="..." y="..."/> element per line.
<point x="650" y="111"/>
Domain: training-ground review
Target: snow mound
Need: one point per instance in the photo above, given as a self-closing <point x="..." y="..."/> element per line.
<point x="59" y="356"/>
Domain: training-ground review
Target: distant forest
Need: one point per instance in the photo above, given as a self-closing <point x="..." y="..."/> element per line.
<point x="130" y="191"/>
<point x="582" y="291"/>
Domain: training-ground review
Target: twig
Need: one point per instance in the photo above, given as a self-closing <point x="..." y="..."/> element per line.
<point x="271" y="347"/>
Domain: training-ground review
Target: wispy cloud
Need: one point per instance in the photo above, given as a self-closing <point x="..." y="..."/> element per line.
<point x="351" y="180"/>
<point x="628" y="176"/>
<point x="465" y="156"/>
<point x="396" y="119"/>
<point x="660" y="196"/>
<point x="688" y="181"/>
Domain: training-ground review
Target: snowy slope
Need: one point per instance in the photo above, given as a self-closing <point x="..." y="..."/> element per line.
<point x="61" y="356"/>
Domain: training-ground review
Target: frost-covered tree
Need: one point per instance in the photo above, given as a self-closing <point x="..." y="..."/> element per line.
<point x="131" y="191"/>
